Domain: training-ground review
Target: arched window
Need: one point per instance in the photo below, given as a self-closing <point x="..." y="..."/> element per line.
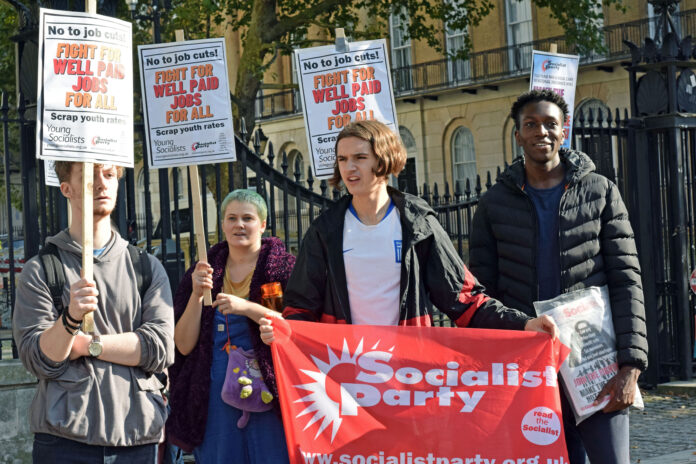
<point x="516" y="151"/>
<point x="408" y="180"/>
<point x="293" y="157"/>
<point x="463" y="158"/>
<point x="600" y="111"/>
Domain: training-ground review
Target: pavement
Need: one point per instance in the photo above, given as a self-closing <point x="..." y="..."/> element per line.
<point x="665" y="431"/>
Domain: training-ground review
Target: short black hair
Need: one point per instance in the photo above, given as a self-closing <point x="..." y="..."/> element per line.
<point x="534" y="96"/>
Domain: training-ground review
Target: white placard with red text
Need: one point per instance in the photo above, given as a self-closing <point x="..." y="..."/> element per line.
<point x="340" y="87"/>
<point x="85" y="88"/>
<point x="186" y="103"/>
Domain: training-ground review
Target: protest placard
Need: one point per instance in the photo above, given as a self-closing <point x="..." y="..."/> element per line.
<point x="186" y="103"/>
<point x="338" y="87"/>
<point x="585" y="326"/>
<point x="558" y="73"/>
<point x="85" y="88"/>
<point x="359" y="393"/>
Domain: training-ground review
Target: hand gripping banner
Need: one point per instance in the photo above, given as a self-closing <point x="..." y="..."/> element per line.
<point x="418" y="395"/>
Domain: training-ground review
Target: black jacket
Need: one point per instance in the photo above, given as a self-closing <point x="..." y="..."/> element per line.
<point x="596" y="245"/>
<point x="431" y="270"/>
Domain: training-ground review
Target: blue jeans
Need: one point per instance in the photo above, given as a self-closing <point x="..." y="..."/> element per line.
<point x="53" y="449"/>
<point x="604" y="437"/>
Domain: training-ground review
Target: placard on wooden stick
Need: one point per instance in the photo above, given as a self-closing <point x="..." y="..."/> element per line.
<point x="87" y="271"/>
<point x="84" y="104"/>
<point x="187" y="112"/>
<point x="197" y="212"/>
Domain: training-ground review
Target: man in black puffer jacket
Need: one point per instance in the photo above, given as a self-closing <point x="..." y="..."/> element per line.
<point x="550" y="225"/>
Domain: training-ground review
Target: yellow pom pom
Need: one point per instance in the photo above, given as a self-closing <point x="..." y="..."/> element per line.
<point x="266" y="397"/>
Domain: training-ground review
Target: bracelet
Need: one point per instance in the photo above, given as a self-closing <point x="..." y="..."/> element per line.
<point x="71" y="329"/>
<point x="66" y="312"/>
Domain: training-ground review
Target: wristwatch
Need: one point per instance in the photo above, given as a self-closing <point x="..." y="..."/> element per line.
<point x="95" y="346"/>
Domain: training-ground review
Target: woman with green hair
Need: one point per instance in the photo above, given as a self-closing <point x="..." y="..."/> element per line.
<point x="200" y="422"/>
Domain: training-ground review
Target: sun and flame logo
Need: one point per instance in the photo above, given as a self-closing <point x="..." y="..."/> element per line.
<point x="322" y="406"/>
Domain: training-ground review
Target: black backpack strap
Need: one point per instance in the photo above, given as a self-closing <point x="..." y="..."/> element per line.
<point x="55" y="275"/>
<point x="142" y="268"/>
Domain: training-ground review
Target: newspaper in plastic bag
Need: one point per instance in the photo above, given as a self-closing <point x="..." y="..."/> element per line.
<point x="585" y="325"/>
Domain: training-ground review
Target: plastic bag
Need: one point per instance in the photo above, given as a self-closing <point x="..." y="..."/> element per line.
<point x="585" y="326"/>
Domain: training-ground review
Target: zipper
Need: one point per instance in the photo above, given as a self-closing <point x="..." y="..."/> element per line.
<point x="535" y="239"/>
<point x="560" y="247"/>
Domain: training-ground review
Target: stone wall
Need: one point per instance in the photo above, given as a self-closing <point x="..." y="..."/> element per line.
<point x="17" y="388"/>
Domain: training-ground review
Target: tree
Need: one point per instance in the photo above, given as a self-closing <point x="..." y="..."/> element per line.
<point x="269" y="28"/>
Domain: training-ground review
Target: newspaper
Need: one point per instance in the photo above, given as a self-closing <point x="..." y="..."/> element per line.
<point x="585" y="325"/>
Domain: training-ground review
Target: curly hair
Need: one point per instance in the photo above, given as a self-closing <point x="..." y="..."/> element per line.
<point x="386" y="145"/>
<point x="534" y="96"/>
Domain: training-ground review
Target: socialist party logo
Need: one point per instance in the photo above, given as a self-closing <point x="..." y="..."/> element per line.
<point x="201" y="145"/>
<point x="345" y="382"/>
<point x="548" y="65"/>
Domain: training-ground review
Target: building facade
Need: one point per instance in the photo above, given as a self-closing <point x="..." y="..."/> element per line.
<point x="453" y="114"/>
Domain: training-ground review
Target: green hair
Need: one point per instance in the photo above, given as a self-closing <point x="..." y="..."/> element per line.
<point x="245" y="196"/>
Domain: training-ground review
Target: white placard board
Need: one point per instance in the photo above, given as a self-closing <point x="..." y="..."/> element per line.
<point x="85" y="88"/>
<point x="186" y="103"/>
<point x="558" y="73"/>
<point x="338" y="88"/>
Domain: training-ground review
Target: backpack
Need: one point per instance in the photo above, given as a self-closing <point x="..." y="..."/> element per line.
<point x="55" y="275"/>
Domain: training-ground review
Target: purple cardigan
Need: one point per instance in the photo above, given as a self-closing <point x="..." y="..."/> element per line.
<point x="190" y="375"/>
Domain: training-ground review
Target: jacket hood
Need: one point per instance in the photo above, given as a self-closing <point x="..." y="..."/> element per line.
<point x="577" y="165"/>
<point x="112" y="250"/>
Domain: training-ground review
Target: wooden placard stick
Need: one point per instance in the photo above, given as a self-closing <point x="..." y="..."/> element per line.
<point x="197" y="211"/>
<point x="87" y="271"/>
<point x="553" y="48"/>
<point x="198" y="225"/>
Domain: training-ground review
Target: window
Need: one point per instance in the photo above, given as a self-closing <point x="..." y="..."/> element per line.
<point x="519" y="31"/>
<point x="656" y="31"/>
<point x="178" y="176"/>
<point x="407" y="180"/>
<point x="516" y="151"/>
<point x="463" y="158"/>
<point x="400" y="50"/>
<point x="297" y="99"/>
<point x="600" y="111"/>
<point x="458" y="70"/>
<point x="294" y="157"/>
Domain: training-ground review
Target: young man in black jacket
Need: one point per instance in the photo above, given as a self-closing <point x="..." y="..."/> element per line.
<point x="551" y="225"/>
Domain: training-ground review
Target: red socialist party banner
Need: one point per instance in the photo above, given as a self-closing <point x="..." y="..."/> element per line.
<point x="354" y="394"/>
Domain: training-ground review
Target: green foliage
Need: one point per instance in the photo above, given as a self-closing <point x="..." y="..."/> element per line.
<point x="8" y="28"/>
<point x="581" y="20"/>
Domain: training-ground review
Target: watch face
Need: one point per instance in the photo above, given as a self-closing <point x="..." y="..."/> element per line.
<point x="94" y="348"/>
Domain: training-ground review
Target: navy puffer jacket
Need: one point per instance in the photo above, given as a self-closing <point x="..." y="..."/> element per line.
<point x="596" y="244"/>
